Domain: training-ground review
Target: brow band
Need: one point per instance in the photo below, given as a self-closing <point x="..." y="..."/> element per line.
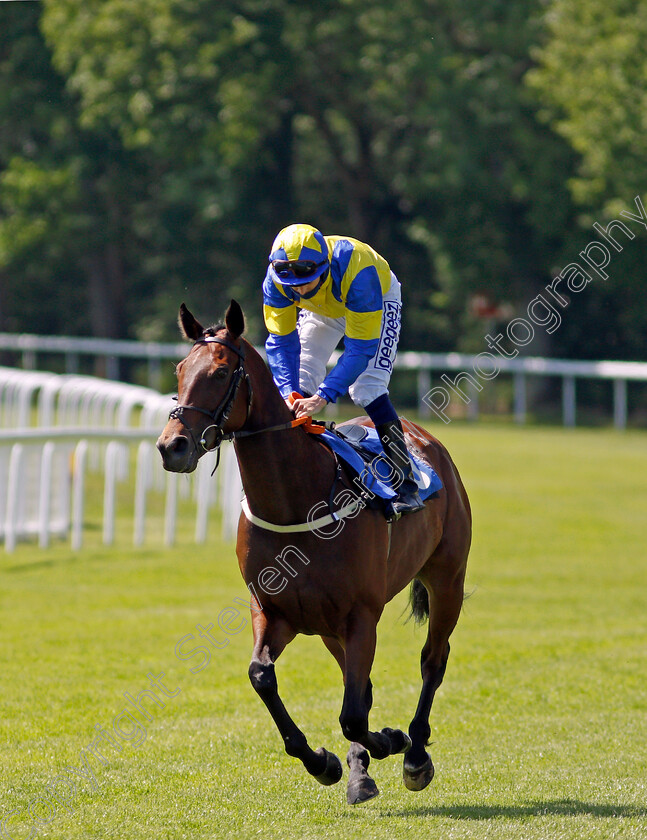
<point x="213" y="339"/>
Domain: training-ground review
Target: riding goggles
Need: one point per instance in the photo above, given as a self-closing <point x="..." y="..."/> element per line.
<point x="296" y="268"/>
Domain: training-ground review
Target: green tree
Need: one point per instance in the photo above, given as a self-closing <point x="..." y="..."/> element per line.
<point x="591" y="78"/>
<point x="62" y="259"/>
<point x="406" y="125"/>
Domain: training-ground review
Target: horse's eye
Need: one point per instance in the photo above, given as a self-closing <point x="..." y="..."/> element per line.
<point x="221" y="373"/>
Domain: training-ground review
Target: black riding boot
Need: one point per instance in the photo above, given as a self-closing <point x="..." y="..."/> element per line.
<point x="392" y="439"/>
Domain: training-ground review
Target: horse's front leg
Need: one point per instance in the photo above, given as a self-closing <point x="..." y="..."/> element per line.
<point x="361" y="787"/>
<point x="360" y="650"/>
<point x="270" y="639"/>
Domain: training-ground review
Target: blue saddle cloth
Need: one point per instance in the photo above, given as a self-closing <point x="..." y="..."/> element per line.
<point x="374" y="474"/>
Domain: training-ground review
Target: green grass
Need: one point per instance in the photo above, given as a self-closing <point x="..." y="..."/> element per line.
<point x="538" y="730"/>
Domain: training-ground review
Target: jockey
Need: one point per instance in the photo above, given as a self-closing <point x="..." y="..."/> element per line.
<point x="344" y="289"/>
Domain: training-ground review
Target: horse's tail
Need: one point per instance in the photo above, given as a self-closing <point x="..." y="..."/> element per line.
<point x="419" y="602"/>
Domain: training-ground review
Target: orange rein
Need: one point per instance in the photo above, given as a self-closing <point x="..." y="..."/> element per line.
<point x="311" y="426"/>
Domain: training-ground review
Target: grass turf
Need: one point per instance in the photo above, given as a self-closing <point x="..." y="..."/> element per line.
<point x="538" y="730"/>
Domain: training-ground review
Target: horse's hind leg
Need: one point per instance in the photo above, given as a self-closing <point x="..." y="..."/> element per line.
<point x="445" y="601"/>
<point x="270" y="639"/>
<point x="361" y="787"/>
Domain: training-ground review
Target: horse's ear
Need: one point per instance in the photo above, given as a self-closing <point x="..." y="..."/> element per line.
<point x="234" y="319"/>
<point x="189" y="327"/>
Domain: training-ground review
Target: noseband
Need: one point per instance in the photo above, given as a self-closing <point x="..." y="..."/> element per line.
<point x="221" y="414"/>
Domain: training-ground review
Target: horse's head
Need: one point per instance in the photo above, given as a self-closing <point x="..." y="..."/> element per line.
<point x="213" y="391"/>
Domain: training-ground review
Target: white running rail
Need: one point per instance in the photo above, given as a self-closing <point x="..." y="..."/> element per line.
<point x="54" y="428"/>
<point x="520" y="370"/>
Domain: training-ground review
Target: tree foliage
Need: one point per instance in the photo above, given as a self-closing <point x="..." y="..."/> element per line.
<point x="592" y="78"/>
<point x="161" y="145"/>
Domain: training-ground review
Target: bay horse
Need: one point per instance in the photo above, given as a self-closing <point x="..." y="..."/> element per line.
<point x="343" y="580"/>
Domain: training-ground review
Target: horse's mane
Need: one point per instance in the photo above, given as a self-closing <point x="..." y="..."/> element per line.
<point x="214" y="329"/>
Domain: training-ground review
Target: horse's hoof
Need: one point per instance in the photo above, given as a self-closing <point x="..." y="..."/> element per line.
<point x="361" y="790"/>
<point x="333" y="772"/>
<point x="400" y="741"/>
<point x="417" y="778"/>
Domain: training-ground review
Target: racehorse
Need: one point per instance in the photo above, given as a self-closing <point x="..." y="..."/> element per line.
<point x="346" y="574"/>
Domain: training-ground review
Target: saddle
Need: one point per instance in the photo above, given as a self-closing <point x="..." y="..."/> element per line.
<point x="360" y="449"/>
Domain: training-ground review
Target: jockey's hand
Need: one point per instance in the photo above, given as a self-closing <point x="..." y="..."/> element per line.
<point x="308" y="407"/>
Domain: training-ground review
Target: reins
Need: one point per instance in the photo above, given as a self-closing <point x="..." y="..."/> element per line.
<point x="315" y="427"/>
<point x="221" y="413"/>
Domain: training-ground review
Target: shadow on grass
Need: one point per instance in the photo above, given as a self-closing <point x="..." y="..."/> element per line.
<point x="31" y="565"/>
<point x="559" y="807"/>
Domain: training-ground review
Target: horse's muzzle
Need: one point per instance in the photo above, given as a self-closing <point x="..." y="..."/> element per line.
<point x="178" y="452"/>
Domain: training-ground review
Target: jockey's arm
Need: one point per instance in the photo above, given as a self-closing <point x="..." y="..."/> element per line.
<point x="351" y="364"/>
<point x="283" y="353"/>
<point x="364" y="304"/>
<point x="282" y="347"/>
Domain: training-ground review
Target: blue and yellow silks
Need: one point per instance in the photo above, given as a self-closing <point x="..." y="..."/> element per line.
<point x="354" y="288"/>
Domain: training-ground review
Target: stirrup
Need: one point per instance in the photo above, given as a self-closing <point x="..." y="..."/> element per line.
<point x="390" y="513"/>
<point x="407" y="503"/>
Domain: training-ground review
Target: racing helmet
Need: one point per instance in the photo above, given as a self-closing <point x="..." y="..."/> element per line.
<point x="299" y="254"/>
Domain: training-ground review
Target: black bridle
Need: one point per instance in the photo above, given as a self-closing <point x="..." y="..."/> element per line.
<point x="220" y="414"/>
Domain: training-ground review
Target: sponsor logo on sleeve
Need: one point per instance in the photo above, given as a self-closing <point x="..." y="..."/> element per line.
<point x="388" y="345"/>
